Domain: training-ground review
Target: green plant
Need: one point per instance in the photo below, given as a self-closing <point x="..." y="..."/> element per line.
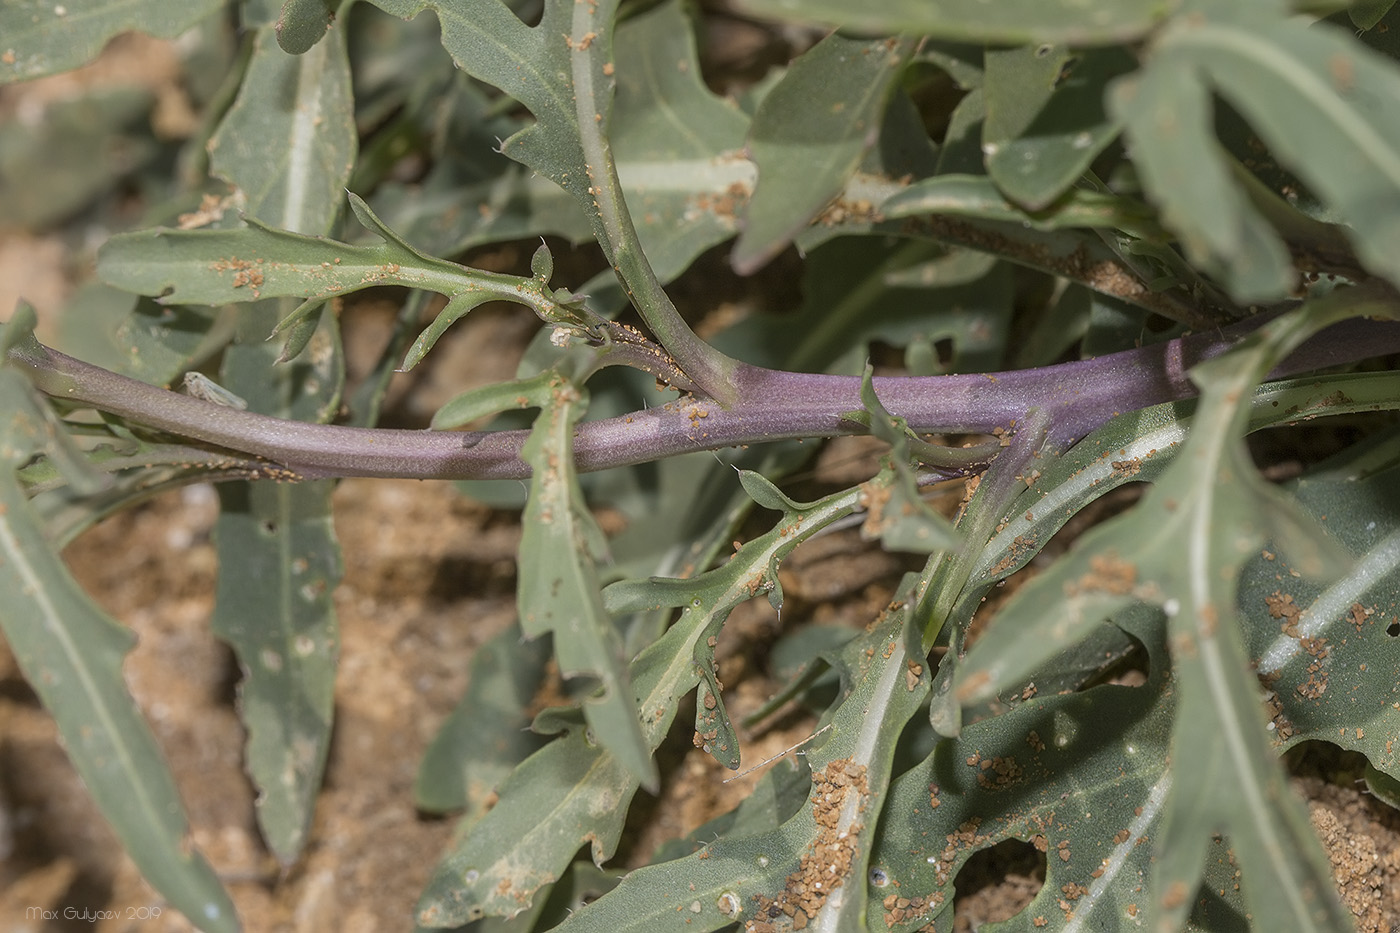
<point x="1156" y="226"/>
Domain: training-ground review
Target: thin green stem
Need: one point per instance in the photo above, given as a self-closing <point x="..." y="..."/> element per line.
<point x="705" y="366"/>
<point x="996" y="491"/>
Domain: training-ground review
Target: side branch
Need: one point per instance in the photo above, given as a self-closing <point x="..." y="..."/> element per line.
<point x="702" y="364"/>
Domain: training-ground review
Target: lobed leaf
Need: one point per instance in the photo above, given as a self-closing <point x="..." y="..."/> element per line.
<point x="816" y="862"/>
<point x="1181" y="548"/>
<point x="541" y="67"/>
<point x="559" y="589"/>
<point x="575" y="791"/>
<point x="1081" y="776"/>
<point x="1323" y="650"/>
<point x="1098" y="575"/>
<point x="1278" y="76"/>
<point x="71" y="654"/>
<point x="1045" y="117"/>
<point x="1166" y="113"/>
<point x="256" y="262"/>
<point x="1287" y="75"/>
<point x="809" y="135"/>
<point x="212" y="267"/>
<point x="1139" y="446"/>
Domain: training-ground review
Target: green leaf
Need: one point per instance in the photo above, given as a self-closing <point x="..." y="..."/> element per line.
<point x="775" y="799"/>
<point x="136" y="470"/>
<point x="38" y="37"/>
<point x="71" y="653"/>
<point x="456" y="308"/>
<point x="559" y="591"/>
<point x="962" y="62"/>
<point x="1167" y="116"/>
<point x="1365" y="14"/>
<point x="809" y="135"/>
<point x="542" y="264"/>
<point x="493" y="399"/>
<point x="47" y="169"/>
<point x="1011" y="22"/>
<point x="574" y="790"/>
<point x="1227" y="780"/>
<point x="1081" y="776"/>
<point x="954" y="267"/>
<point x="224" y="266"/>
<point x="678" y="146"/>
<point x="1283" y="75"/>
<point x="289" y="141"/>
<point x="568" y="793"/>
<point x="1145" y="272"/>
<point x="279" y="564"/>
<point x="851" y="759"/>
<point x="1045" y="117"/>
<point x="1181" y="548"/>
<point x="854" y="295"/>
<point x="901" y="152"/>
<point x="761" y="490"/>
<point x="977" y="196"/>
<point x="1323" y="650"/>
<point x="287" y="144"/>
<point x="677" y="149"/>
<point x="138" y="337"/>
<point x="1149" y="446"/>
<point x="541" y="67"/>
<point x="961" y="150"/>
<point x="214" y="267"/>
<point x="897" y="514"/>
<point x="1139" y="446"/>
<point x="487" y="735"/>
<point x="696" y="504"/>
<point x="473" y="194"/>
<point x="300" y="327"/>
<point x="273" y="605"/>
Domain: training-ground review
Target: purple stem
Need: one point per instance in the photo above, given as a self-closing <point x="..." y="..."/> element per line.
<point x="1077" y="397"/>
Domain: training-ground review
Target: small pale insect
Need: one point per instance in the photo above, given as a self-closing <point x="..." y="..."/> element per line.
<point x="199" y="385"/>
